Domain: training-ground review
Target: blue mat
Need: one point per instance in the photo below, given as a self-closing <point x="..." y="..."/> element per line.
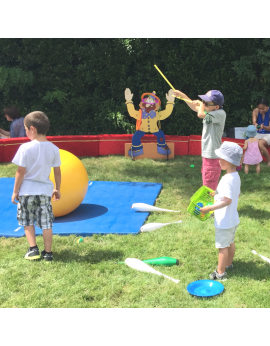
<point x="105" y="209"/>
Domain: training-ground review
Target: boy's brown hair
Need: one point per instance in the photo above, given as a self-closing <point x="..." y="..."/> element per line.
<point x="39" y="120"/>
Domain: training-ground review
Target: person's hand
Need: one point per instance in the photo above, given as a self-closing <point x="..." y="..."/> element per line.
<point x="197" y="102"/>
<point x="56" y="194"/>
<point x="128" y="95"/>
<point x="178" y="93"/>
<point x="169" y="96"/>
<point x="206" y="210"/>
<point x="255" y="124"/>
<point x="262" y="127"/>
<point x="15" y="196"/>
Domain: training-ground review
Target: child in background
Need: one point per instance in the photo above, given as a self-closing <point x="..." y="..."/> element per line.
<point x="33" y="188"/>
<point x="225" y="207"/>
<point x="252" y="155"/>
<point x="17" y="126"/>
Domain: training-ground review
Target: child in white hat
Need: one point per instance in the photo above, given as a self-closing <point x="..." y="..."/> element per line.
<point x="252" y="154"/>
<point x="225" y="207"/>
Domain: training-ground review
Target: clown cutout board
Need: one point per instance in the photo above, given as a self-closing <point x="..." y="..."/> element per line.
<point x="148" y="120"/>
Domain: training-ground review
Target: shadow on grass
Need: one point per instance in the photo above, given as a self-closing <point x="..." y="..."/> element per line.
<point x="254" y="270"/>
<point x="178" y="171"/>
<point x="92" y="257"/>
<point x="253" y="213"/>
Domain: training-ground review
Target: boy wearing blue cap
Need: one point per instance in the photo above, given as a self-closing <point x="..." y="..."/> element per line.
<point x="210" y="110"/>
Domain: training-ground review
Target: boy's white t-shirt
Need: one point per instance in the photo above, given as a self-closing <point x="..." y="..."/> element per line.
<point x="229" y="186"/>
<point x="38" y="158"/>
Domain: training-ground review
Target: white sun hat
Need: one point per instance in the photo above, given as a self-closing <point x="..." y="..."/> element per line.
<point x="230" y="152"/>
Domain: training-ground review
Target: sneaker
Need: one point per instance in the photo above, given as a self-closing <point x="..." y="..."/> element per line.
<point x="47" y="256"/>
<point x="217" y="276"/>
<point x="32" y="254"/>
<point x="229" y="267"/>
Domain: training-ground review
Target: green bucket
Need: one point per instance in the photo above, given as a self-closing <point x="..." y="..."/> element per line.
<point x="203" y="197"/>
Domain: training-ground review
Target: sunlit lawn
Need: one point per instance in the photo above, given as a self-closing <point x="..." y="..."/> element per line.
<point x="86" y="275"/>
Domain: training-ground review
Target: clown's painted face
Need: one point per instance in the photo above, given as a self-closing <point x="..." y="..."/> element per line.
<point x="149" y="107"/>
<point x="149" y="101"/>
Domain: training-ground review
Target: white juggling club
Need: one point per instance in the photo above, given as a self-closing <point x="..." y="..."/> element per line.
<point x="154" y="225"/>
<point x="147" y="207"/>
<point x="264" y="258"/>
<point x="143" y="267"/>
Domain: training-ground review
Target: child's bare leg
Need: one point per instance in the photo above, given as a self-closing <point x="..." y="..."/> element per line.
<point x="231" y="254"/>
<point x="222" y="259"/>
<point x="258" y="168"/>
<point x="246" y="169"/>
<point x="47" y="238"/>
<point x="30" y="235"/>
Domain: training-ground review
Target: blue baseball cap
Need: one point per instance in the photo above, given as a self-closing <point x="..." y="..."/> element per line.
<point x="213" y="96"/>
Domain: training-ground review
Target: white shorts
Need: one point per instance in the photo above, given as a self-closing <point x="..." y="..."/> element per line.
<point x="225" y="237"/>
<point x="265" y="136"/>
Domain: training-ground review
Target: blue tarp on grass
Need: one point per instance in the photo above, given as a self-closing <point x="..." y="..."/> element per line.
<point x="105" y="209"/>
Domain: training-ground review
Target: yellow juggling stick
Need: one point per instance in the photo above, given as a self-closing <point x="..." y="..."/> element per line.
<point x="171" y="85"/>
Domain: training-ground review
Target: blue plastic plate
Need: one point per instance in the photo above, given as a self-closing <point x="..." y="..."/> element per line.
<point x="205" y="288"/>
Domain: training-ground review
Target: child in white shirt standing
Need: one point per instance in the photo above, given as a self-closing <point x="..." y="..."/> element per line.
<point x="225" y="207"/>
<point x="33" y="188"/>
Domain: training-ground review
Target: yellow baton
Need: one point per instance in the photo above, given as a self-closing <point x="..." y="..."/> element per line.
<point x="171" y="85"/>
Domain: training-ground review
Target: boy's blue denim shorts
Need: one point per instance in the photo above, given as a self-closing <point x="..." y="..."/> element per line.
<point x="35" y="210"/>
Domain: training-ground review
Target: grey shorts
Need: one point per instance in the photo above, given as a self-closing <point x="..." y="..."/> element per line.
<point x="35" y="210"/>
<point x="225" y="237"/>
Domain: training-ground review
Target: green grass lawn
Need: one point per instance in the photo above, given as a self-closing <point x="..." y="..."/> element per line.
<point x="85" y="274"/>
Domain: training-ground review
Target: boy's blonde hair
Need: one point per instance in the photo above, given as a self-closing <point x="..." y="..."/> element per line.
<point x="39" y="120"/>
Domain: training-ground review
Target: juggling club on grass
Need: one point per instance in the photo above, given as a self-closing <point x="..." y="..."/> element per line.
<point x="143" y="267"/>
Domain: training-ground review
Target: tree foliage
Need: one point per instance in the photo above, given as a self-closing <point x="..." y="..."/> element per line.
<point x="80" y="83"/>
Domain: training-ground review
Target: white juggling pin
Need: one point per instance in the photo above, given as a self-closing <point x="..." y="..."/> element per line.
<point x="153" y="226"/>
<point x="147" y="207"/>
<point x="264" y="258"/>
<point x="143" y="267"/>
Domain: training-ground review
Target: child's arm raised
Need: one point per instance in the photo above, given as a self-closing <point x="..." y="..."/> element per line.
<point x="194" y="105"/>
<point x="57" y="177"/>
<point x="18" y="182"/>
<point x="201" y="113"/>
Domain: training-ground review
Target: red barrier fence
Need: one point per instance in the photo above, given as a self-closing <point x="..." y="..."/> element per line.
<point x="107" y="144"/>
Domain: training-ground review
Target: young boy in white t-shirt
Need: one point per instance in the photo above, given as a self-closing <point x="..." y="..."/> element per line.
<point x="33" y="188"/>
<point x="225" y="207"/>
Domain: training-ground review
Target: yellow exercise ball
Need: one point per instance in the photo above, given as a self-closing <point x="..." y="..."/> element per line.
<point x="74" y="184"/>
